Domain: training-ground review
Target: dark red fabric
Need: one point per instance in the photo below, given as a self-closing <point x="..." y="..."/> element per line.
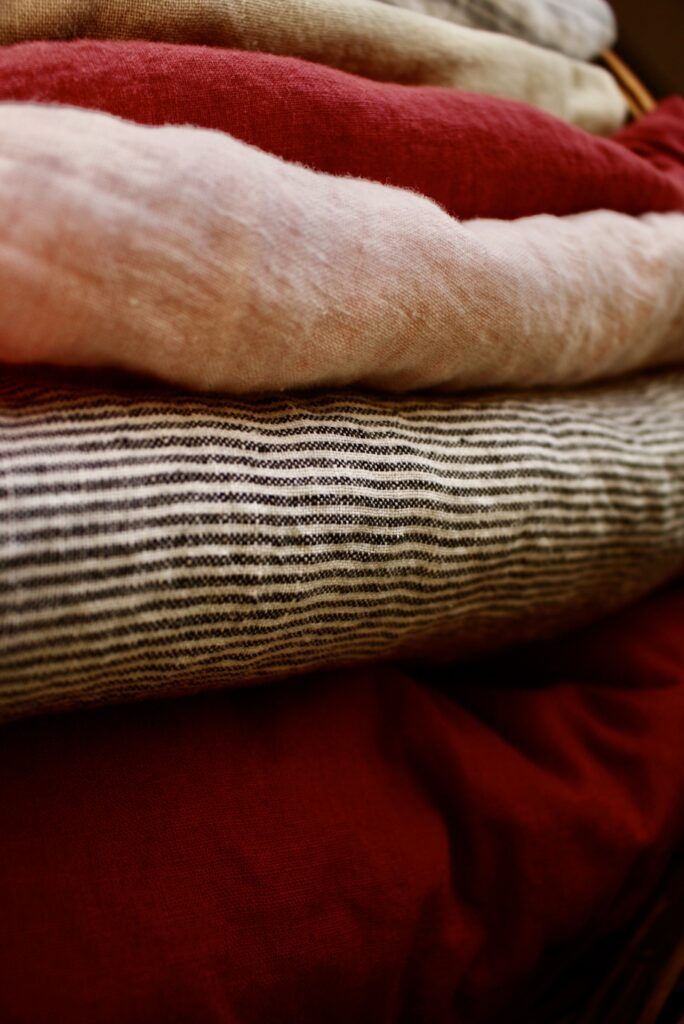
<point x="360" y="846"/>
<point x="478" y="156"/>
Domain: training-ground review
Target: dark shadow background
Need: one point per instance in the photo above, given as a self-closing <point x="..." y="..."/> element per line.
<point x="651" y="41"/>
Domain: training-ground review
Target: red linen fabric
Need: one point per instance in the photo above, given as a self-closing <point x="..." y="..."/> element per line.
<point x="363" y="847"/>
<point x="478" y="156"/>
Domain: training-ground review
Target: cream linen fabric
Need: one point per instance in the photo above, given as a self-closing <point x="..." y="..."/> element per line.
<point x="154" y="543"/>
<point x="580" y="28"/>
<point x="362" y="36"/>
<point x="193" y="257"/>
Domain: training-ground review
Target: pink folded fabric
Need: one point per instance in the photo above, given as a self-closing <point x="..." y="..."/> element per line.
<point x="476" y="155"/>
<point x="193" y="257"/>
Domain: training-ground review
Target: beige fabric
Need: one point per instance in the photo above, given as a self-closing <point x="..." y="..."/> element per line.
<point x="362" y="36"/>
<point x="580" y="28"/>
<point x="193" y="257"/>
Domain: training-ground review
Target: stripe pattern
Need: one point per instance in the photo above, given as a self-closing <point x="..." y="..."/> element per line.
<point x="156" y="543"/>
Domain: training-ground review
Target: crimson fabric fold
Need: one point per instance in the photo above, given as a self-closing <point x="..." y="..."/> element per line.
<point x="477" y="155"/>
<point x="364" y="846"/>
<point x="383" y="43"/>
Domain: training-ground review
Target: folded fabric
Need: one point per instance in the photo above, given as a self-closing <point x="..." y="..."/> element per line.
<point x="190" y="256"/>
<point x="475" y="155"/>
<point x="656" y="138"/>
<point x="157" y="543"/>
<point x="361" y="36"/>
<point x="580" y="28"/>
<point x="358" y="847"/>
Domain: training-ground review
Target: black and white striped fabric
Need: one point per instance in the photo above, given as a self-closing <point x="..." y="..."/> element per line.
<point x="153" y="543"/>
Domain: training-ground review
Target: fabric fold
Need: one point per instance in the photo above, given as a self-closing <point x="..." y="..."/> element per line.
<point x="476" y="155"/>
<point x="361" y="36"/>
<point x="156" y="543"/>
<point x="355" y="847"/>
<point x="580" y="28"/>
<point x="190" y="256"/>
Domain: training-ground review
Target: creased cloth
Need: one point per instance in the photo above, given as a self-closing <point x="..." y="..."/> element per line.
<point x="580" y="28"/>
<point x="361" y="36"/>
<point x="356" y="847"/>
<point x="155" y="543"/>
<point x="191" y="256"/>
<point x="476" y="155"/>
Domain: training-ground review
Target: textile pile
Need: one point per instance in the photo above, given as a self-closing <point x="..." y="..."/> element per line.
<point x="342" y="376"/>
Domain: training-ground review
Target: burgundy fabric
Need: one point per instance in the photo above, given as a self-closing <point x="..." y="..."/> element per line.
<point x="478" y="156"/>
<point x="359" y="847"/>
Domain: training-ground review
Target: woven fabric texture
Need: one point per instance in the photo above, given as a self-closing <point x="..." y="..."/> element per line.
<point x="156" y="544"/>
<point x="188" y="255"/>
<point x="359" y="847"/>
<point x="476" y="155"/>
<point x="580" y="28"/>
<point x="361" y="36"/>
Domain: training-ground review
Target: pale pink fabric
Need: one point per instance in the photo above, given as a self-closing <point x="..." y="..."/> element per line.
<point x="190" y="256"/>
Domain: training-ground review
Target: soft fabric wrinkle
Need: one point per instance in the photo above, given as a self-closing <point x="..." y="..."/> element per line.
<point x="153" y="542"/>
<point x="317" y="272"/>
<point x="360" y="36"/>
<point x="580" y="28"/>
<point x="371" y="850"/>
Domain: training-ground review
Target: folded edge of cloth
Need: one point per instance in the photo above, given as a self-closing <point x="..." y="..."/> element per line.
<point x="357" y="847"/>
<point x="478" y="156"/>
<point x="154" y="543"/>
<point x="188" y="255"/>
<point x="362" y="36"/>
<point x="580" y="28"/>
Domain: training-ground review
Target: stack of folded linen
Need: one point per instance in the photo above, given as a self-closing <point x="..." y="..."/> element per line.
<point x="342" y="350"/>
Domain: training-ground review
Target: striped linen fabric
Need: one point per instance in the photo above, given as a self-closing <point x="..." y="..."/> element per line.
<point x="579" y="28"/>
<point x="156" y="543"/>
